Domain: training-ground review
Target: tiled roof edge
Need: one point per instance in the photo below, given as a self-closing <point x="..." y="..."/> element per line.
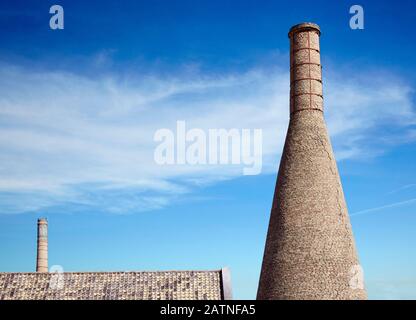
<point x="91" y="272"/>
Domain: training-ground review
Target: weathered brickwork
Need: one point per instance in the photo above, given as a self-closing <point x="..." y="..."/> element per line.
<point x="42" y="254"/>
<point x="310" y="251"/>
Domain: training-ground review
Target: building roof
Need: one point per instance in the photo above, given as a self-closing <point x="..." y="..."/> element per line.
<point x="157" y="285"/>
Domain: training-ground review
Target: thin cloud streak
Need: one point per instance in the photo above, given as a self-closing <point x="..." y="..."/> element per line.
<point x="405" y="187"/>
<point x="392" y="205"/>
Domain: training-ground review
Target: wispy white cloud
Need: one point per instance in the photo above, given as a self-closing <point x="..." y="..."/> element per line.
<point x="405" y="187"/>
<point x="387" y="206"/>
<point x="68" y="138"/>
<point x="388" y="289"/>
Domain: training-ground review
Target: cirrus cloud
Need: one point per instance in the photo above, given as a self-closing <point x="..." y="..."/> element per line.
<point x="68" y="138"/>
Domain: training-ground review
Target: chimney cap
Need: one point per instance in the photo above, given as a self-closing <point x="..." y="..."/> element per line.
<point x="43" y="221"/>
<point x="304" y="26"/>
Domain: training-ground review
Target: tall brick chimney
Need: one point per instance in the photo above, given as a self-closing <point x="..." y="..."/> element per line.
<point x="42" y="254"/>
<point x="310" y="251"/>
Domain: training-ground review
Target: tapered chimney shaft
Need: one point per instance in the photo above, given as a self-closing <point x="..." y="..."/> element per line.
<point x="310" y="251"/>
<point x="42" y="254"/>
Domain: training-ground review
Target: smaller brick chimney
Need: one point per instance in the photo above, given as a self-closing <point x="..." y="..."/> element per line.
<point x="42" y="254"/>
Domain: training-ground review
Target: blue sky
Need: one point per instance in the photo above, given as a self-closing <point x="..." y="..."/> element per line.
<point x="79" y="107"/>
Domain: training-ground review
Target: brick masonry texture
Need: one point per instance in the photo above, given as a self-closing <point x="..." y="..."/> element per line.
<point x="161" y="285"/>
<point x="42" y="254"/>
<point x="310" y="251"/>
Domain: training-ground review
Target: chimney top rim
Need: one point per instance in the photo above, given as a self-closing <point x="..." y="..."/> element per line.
<point x="304" y="26"/>
<point x="42" y="220"/>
